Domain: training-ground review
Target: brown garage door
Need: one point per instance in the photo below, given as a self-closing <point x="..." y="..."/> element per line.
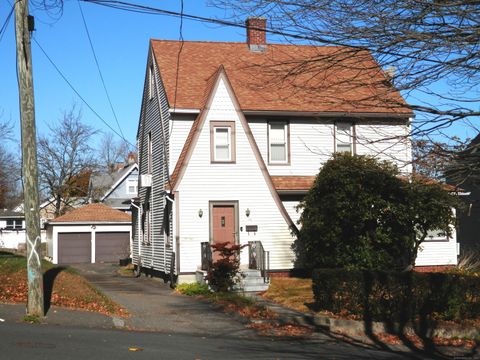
<point x="111" y="246"/>
<point x="74" y="248"/>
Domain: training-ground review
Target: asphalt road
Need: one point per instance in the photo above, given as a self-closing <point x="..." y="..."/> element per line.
<point x="32" y="342"/>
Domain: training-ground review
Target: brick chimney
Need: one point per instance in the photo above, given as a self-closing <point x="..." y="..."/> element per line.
<point x="256" y="35"/>
<point x="131" y="158"/>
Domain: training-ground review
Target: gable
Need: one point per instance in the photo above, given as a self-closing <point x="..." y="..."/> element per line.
<point x="196" y="163"/>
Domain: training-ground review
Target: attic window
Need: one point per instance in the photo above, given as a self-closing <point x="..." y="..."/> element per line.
<point x="151" y="83"/>
<point x="132" y="186"/>
<point x="344" y="138"/>
<point x="222" y="141"/>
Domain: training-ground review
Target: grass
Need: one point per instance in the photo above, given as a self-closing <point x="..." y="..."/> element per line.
<point x="294" y="293"/>
<point x="64" y="287"/>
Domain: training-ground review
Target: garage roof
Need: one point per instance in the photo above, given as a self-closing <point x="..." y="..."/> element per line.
<point x="94" y="213"/>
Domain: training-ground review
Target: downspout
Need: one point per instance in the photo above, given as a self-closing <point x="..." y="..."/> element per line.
<point x="167" y="196"/>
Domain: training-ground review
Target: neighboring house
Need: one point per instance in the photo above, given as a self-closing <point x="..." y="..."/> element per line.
<point x="90" y="234"/>
<point x="116" y="189"/>
<point x="226" y="153"/>
<point x="468" y="224"/>
<point x="12" y="229"/>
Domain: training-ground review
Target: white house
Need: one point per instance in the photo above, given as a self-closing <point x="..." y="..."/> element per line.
<point x="228" y="145"/>
<point x="12" y="229"/>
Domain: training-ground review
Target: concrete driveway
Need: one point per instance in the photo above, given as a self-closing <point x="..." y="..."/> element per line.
<point x="154" y="306"/>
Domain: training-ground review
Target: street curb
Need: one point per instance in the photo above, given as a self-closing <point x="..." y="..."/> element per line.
<point x="356" y="327"/>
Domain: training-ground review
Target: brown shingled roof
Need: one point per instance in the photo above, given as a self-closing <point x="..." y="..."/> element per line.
<point x="292" y="182"/>
<point x="339" y="79"/>
<point x="97" y="212"/>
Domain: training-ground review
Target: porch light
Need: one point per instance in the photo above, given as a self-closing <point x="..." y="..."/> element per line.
<point x="200" y="213"/>
<point x="247" y="212"/>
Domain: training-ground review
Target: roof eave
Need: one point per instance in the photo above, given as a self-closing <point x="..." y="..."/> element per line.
<point x="330" y="114"/>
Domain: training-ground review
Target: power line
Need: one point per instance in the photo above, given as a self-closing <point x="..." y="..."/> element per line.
<point x="7" y="21"/>
<point x="78" y="94"/>
<point x="98" y="68"/>
<point x="121" y="5"/>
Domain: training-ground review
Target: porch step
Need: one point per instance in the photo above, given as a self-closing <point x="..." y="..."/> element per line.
<point x="252" y="281"/>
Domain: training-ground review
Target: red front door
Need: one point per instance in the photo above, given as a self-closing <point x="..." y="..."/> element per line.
<point x="223" y="220"/>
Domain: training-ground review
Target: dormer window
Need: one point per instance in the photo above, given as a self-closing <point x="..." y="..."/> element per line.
<point x="344" y="138"/>
<point x="278" y="143"/>
<point x="222" y="141"/>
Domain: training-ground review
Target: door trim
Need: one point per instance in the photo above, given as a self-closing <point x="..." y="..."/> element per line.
<point x="233" y="203"/>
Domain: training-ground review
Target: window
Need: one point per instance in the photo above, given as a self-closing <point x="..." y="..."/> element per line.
<point x="343" y="137"/>
<point x="278" y="143"/>
<point x="132" y="186"/>
<point x="149" y="153"/>
<point x="147" y="224"/>
<point x="14" y="224"/>
<point x="222" y="141"/>
<point x="151" y="83"/>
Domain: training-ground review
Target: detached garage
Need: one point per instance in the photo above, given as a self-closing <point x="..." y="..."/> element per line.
<point x="92" y="233"/>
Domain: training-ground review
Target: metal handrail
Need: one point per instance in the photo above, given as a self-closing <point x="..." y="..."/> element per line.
<point x="206" y="252"/>
<point x="259" y="259"/>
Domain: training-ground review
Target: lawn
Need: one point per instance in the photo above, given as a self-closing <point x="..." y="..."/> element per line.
<point x="69" y="289"/>
<point x="294" y="293"/>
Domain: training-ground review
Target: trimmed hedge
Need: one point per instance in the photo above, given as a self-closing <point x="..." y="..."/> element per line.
<point x="397" y="297"/>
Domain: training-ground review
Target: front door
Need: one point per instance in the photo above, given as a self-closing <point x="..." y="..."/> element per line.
<point x="223" y="225"/>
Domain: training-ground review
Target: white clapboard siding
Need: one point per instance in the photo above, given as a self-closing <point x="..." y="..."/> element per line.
<point x="311" y="144"/>
<point x="179" y="129"/>
<point x="242" y="182"/>
<point x="291" y="207"/>
<point x="386" y="141"/>
<point x="437" y="253"/>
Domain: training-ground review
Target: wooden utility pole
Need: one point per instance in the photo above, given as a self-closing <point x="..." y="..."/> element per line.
<point x="23" y="27"/>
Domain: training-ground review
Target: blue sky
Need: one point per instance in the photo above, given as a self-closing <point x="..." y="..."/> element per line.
<point x="121" y="40"/>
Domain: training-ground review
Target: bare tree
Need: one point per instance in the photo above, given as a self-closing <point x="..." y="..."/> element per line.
<point x="9" y="169"/>
<point x="111" y="152"/>
<point x="427" y="46"/>
<point x="66" y="160"/>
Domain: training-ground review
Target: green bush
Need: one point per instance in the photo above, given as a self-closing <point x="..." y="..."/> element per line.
<point x="399" y="297"/>
<point x="193" y="289"/>
<point x="359" y="214"/>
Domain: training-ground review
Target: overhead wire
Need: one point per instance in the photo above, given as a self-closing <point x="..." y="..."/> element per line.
<point x="143" y="9"/>
<point x="7" y="21"/>
<point x="98" y="68"/>
<point x="78" y="94"/>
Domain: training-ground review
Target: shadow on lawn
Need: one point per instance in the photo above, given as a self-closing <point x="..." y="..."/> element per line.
<point x="48" y="281"/>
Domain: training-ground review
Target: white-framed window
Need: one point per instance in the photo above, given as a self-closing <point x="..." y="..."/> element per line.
<point x="278" y="143"/>
<point x="149" y="153"/>
<point x="14" y="224"/>
<point x="343" y="138"/>
<point x="151" y="82"/>
<point x="222" y="141"/>
<point x="132" y="186"/>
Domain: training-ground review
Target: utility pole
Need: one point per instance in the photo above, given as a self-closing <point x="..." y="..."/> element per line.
<point x="23" y="27"/>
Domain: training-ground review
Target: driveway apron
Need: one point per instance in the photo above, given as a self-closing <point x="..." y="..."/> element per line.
<point x="154" y="306"/>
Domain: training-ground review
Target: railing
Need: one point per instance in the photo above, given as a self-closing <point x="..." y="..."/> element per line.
<point x="259" y="259"/>
<point x="206" y="255"/>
